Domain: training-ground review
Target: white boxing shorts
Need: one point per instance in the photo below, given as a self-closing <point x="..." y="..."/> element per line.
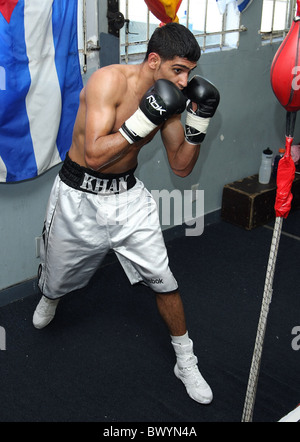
<point x="88" y="215"/>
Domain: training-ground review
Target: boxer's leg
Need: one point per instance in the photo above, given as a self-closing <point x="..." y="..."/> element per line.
<point x="171" y="310"/>
<point x="186" y="369"/>
<point x="71" y="250"/>
<point x="144" y="257"/>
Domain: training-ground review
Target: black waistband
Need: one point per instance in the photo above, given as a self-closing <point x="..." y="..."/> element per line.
<point x="88" y="180"/>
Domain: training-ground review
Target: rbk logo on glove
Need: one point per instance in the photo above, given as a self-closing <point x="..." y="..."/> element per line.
<point x="153" y="102"/>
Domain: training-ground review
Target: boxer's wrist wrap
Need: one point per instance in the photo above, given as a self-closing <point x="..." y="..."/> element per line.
<point x="195" y="128"/>
<point x="138" y="126"/>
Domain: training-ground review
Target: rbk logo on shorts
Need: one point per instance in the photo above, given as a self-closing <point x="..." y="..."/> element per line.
<point x="104" y="186"/>
<point x="155" y="281"/>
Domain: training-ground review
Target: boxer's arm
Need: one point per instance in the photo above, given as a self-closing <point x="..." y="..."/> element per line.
<point x="203" y="100"/>
<point x="182" y="156"/>
<point x="102" y="94"/>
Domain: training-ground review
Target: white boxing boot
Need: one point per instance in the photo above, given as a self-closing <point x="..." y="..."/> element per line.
<point x="44" y="312"/>
<point x="186" y="369"/>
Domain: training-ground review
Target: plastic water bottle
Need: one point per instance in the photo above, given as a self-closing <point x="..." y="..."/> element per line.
<point x="280" y="154"/>
<point x="265" y="167"/>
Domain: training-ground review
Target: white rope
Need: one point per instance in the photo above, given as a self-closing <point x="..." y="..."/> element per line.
<point x="267" y="297"/>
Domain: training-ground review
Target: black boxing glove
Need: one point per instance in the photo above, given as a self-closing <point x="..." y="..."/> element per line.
<point x="161" y="101"/>
<point x="207" y="97"/>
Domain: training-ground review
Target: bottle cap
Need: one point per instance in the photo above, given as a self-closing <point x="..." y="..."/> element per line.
<point x="268" y="151"/>
<point x="282" y="150"/>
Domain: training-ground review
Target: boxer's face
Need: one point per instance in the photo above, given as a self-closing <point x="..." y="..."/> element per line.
<point x="176" y="70"/>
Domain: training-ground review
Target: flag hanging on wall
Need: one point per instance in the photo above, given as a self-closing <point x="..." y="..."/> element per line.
<point x="164" y="10"/>
<point x="40" y="82"/>
<point x="241" y="5"/>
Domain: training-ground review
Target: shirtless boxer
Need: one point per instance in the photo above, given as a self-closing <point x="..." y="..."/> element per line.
<point x="97" y="204"/>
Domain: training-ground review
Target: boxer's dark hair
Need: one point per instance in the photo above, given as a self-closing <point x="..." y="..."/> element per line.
<point x="174" y="40"/>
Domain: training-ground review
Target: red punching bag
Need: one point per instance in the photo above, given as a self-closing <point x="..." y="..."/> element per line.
<point x="284" y="80"/>
<point x="285" y="68"/>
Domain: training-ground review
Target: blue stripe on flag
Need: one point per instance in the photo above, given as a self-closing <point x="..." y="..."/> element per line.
<point x="64" y="15"/>
<point x="16" y="149"/>
<point x="243" y="4"/>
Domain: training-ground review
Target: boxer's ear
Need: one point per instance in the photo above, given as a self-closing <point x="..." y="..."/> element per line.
<point x="154" y="60"/>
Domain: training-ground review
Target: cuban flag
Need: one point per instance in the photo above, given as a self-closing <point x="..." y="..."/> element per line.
<point x="241" y="5"/>
<point x="40" y="82"/>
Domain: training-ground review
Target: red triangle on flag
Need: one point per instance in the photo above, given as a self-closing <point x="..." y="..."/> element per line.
<point x="7" y="8"/>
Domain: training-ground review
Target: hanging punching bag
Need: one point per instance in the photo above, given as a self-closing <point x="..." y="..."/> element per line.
<point x="285" y="70"/>
<point x="284" y="80"/>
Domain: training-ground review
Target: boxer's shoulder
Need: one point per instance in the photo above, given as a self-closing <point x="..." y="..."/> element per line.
<point x="111" y="80"/>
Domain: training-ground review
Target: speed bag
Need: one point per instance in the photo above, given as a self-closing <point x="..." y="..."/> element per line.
<point x="285" y="69"/>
